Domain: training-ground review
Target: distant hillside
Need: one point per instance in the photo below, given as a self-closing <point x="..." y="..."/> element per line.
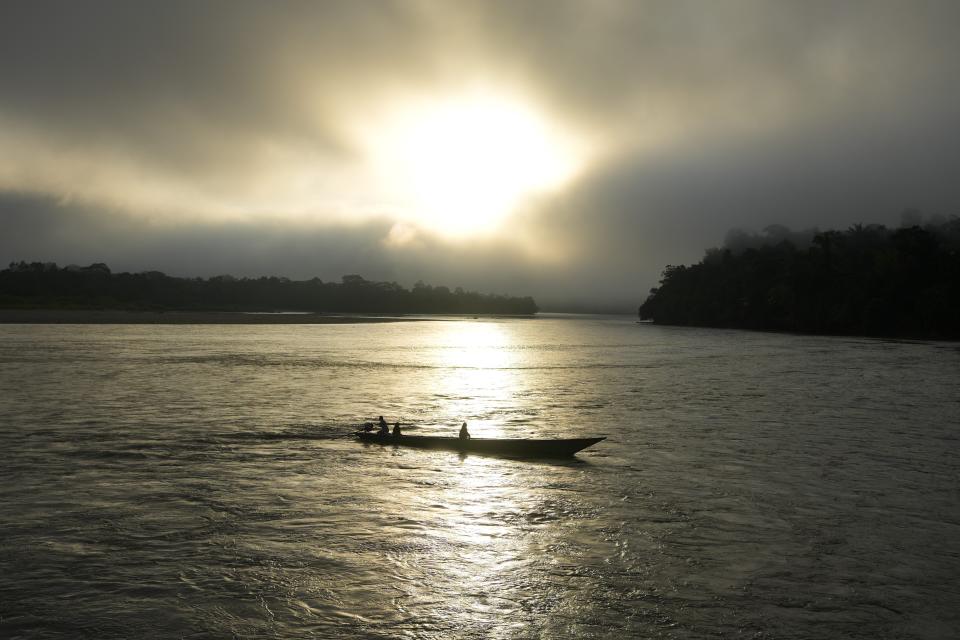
<point x="45" y="285"/>
<point x="867" y="280"/>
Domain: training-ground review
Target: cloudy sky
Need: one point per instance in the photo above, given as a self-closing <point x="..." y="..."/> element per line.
<point x="563" y="149"/>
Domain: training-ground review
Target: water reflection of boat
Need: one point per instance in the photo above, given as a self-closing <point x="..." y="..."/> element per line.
<point x="520" y="447"/>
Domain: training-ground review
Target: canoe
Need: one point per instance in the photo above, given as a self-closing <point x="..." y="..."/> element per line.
<point x="526" y="448"/>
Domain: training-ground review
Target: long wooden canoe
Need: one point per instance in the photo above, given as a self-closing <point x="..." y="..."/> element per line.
<point x="527" y="448"/>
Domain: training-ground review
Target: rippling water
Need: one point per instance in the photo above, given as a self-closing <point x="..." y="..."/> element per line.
<point x="195" y="481"/>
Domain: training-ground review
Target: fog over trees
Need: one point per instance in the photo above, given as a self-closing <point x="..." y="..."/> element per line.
<point x="865" y="280"/>
<point x="45" y="285"/>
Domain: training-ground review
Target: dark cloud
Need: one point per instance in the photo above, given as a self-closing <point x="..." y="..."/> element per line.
<point x="133" y="127"/>
<point x="639" y="213"/>
<point x="181" y="87"/>
<point x="725" y="62"/>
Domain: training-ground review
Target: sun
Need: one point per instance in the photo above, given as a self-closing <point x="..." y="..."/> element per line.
<point x="462" y="165"/>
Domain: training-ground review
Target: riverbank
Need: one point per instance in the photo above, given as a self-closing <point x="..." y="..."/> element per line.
<point x="117" y="316"/>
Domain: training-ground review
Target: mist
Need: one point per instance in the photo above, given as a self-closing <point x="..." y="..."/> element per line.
<point x="223" y="138"/>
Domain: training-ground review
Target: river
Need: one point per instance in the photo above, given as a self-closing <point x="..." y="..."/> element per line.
<point x="199" y="481"/>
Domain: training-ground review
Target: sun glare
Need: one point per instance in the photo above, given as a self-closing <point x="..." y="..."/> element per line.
<point x="463" y="165"/>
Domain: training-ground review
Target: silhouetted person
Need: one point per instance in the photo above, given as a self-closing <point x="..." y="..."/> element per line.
<point x="396" y="429"/>
<point x="464" y="434"/>
<point x="368" y="427"/>
<point x="384" y="429"/>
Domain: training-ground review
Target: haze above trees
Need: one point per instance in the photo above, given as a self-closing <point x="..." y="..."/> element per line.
<point x="866" y="280"/>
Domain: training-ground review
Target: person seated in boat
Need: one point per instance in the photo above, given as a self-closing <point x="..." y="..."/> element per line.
<point x="464" y="434"/>
<point x="396" y="429"/>
<point x="367" y="427"/>
<point x="384" y="429"/>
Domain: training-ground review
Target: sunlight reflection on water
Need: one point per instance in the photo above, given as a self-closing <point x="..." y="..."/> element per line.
<point x="483" y="382"/>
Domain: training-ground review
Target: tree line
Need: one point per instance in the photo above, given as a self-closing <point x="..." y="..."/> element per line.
<point x="866" y="280"/>
<point x="45" y="285"/>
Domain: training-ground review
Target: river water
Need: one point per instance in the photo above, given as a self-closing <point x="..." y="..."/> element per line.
<point x="196" y="481"/>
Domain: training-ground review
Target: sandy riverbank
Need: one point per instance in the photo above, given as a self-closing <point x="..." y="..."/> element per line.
<point x="92" y="316"/>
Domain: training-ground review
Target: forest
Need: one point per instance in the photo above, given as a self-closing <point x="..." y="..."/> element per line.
<point x="45" y="285"/>
<point x="866" y="280"/>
